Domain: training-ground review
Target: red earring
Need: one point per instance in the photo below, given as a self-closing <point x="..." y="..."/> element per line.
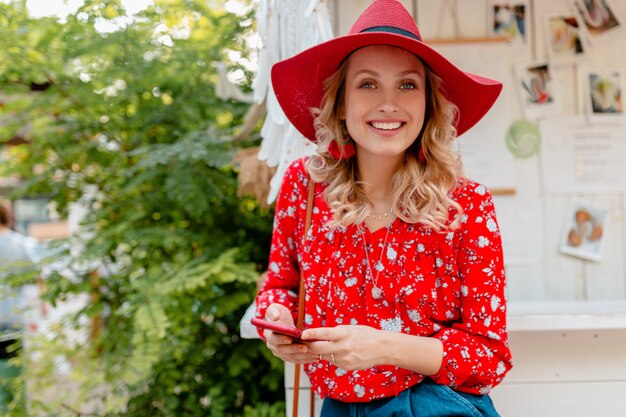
<point x="421" y="156"/>
<point x="338" y="151"/>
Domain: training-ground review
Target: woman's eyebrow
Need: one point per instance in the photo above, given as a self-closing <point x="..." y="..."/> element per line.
<point x="400" y="74"/>
<point x="409" y="72"/>
<point x="366" y="71"/>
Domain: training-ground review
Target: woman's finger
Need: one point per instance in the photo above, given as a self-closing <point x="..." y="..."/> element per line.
<point x="323" y="333"/>
<point x="278" y="312"/>
<point x="276" y="338"/>
<point x="298" y="357"/>
<point x="321" y="347"/>
<point x="289" y="349"/>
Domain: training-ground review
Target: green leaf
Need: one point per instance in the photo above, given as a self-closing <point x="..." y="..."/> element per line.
<point x="152" y="320"/>
<point x="168" y="255"/>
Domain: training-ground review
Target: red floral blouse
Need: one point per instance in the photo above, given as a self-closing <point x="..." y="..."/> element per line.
<point x="444" y="285"/>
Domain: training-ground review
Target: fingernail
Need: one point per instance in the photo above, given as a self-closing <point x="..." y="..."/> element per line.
<point x="272" y="315"/>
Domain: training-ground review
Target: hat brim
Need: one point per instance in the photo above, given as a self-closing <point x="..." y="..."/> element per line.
<point x="298" y="81"/>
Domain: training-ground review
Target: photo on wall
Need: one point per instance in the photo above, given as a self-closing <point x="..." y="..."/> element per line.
<point x="511" y="20"/>
<point x="564" y="41"/>
<point x="603" y="91"/>
<point x="584" y="231"/>
<point x="596" y="17"/>
<point x="536" y="89"/>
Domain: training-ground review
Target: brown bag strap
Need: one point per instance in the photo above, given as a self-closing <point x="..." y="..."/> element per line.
<point x="300" y="321"/>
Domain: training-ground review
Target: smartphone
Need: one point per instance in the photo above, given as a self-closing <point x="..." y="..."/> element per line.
<point x="278" y="327"/>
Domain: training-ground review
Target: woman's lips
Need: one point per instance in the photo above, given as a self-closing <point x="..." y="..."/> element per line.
<point x="386" y="128"/>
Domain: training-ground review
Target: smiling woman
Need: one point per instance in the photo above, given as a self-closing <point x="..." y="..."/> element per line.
<point x="402" y="280"/>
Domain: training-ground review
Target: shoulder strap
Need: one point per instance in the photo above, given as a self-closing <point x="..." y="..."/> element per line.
<point x="300" y="321"/>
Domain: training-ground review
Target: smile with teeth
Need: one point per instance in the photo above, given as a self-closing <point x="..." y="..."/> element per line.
<point x="386" y="125"/>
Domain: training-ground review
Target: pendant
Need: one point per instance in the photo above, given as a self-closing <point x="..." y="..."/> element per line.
<point x="377" y="293"/>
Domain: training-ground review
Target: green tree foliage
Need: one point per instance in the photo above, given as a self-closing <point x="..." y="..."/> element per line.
<point x="126" y="121"/>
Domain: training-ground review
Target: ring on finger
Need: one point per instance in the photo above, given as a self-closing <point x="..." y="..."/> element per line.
<point x="332" y="357"/>
<point x="320" y="356"/>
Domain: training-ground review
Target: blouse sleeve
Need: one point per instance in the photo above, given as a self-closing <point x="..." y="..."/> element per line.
<point x="283" y="275"/>
<point x="476" y="354"/>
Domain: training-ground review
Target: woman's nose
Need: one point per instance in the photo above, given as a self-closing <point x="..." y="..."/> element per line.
<point x="388" y="103"/>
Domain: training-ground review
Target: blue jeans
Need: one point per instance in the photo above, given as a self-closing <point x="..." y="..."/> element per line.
<point x="426" y="399"/>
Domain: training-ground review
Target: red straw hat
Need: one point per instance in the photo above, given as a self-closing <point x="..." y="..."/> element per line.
<point x="298" y="81"/>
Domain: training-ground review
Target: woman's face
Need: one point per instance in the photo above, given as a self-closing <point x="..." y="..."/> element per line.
<point x="385" y="100"/>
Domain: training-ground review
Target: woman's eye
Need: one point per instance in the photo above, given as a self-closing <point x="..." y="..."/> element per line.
<point x="408" y="85"/>
<point x="367" y="84"/>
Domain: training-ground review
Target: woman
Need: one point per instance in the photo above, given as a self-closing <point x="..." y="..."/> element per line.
<point x="403" y="268"/>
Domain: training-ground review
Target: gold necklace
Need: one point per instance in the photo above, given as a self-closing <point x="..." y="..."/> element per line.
<point x="377" y="292"/>
<point x="379" y="217"/>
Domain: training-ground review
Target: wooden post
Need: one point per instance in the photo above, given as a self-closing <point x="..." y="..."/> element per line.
<point x="96" y="323"/>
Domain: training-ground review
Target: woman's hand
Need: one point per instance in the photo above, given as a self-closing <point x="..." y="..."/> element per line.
<point x="283" y="346"/>
<point x="350" y="347"/>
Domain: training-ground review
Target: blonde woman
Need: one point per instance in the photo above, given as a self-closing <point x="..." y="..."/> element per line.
<point x="402" y="266"/>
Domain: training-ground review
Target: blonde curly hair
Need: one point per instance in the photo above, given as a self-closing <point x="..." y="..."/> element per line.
<point x="421" y="190"/>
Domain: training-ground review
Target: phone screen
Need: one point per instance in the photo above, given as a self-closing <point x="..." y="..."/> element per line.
<point x="277" y="327"/>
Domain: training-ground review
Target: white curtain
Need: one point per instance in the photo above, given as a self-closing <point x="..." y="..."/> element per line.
<point x="286" y="27"/>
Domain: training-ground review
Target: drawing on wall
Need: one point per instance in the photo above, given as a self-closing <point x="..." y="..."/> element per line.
<point x="523" y="138"/>
<point x="597" y="17"/>
<point x="563" y="37"/>
<point x="584" y="232"/>
<point x="604" y="94"/>
<point x="510" y="19"/>
<point x="536" y="89"/>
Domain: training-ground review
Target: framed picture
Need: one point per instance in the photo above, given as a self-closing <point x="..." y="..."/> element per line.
<point x="603" y="94"/>
<point x="596" y="17"/>
<point x="584" y="231"/>
<point x="564" y="41"/>
<point x="510" y="19"/>
<point x="537" y="90"/>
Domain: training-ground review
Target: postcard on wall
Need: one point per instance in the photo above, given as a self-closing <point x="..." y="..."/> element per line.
<point x="536" y="89"/>
<point x="564" y="41"/>
<point x="584" y="231"/>
<point x="577" y="157"/>
<point x="597" y="18"/>
<point x="603" y="94"/>
<point x="511" y="20"/>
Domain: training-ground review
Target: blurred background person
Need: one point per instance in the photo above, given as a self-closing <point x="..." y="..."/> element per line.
<point x="18" y="254"/>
